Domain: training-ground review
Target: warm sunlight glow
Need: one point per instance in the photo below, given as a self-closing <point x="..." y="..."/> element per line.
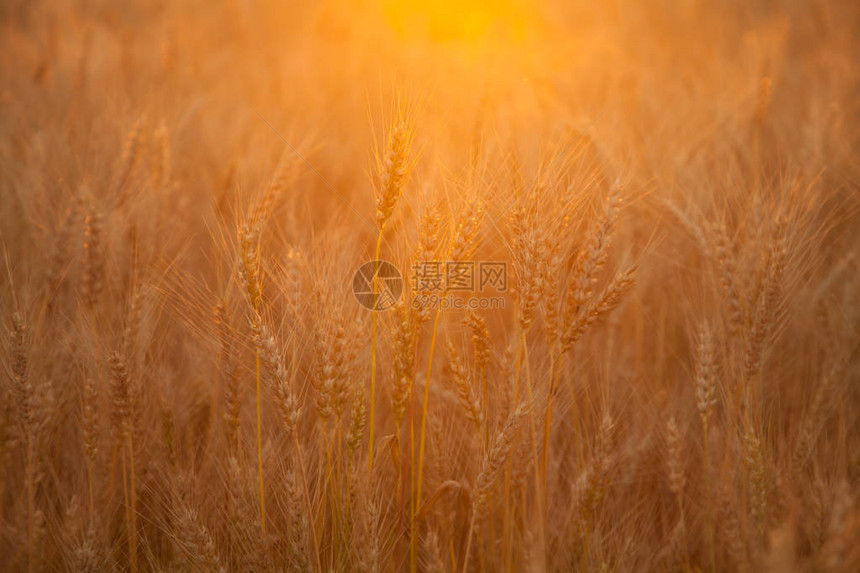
<point x="466" y="21"/>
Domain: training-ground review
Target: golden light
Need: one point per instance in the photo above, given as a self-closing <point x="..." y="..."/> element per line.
<point x="452" y="21"/>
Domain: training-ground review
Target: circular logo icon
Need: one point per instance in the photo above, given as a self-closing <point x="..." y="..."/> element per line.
<point x="377" y="285"/>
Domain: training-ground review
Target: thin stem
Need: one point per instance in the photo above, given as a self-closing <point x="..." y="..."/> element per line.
<point x="373" y="321"/>
<point x="708" y="491"/>
<point x="684" y="522"/>
<point x="260" y="448"/>
<point x="423" y="437"/>
<point x="132" y="565"/>
<point x="486" y="408"/>
<point x="308" y="501"/>
<point x="91" y="493"/>
<point x="329" y="485"/>
<point x="468" y="542"/>
<point x="133" y="511"/>
<point x="31" y="505"/>
<point x="538" y="488"/>
<point x="112" y="477"/>
<point x="412" y="507"/>
<point x="90" y="461"/>
<point x="547" y="427"/>
<point x="507" y="524"/>
<point x="587" y="542"/>
<point x="335" y="481"/>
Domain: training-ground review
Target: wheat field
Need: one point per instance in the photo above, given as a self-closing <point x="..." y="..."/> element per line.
<point x="430" y="286"/>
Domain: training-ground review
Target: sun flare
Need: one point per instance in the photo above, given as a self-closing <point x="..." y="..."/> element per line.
<point x="467" y="21"/>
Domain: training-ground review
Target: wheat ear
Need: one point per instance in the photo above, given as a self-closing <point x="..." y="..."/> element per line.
<point x="394" y="173"/>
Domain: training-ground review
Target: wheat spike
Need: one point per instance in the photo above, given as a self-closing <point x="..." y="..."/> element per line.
<point x="393" y="171"/>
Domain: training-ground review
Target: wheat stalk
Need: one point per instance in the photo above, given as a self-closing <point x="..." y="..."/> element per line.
<point x="121" y="396"/>
<point x="458" y="373"/>
<point x="706" y="399"/>
<point x="491" y="470"/>
<point x="462" y="245"/>
<point x="394" y="174"/>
